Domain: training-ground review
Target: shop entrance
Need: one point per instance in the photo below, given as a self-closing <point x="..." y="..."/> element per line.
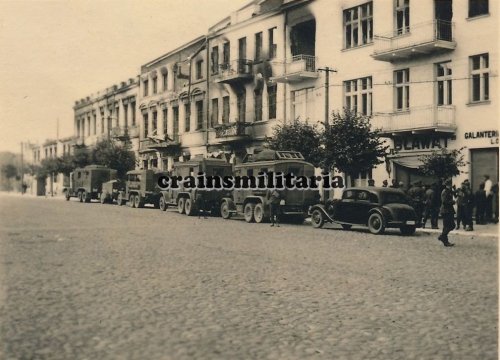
<point x="483" y="162"/>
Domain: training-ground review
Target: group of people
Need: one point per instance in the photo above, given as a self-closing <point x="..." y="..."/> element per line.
<point x="429" y="201"/>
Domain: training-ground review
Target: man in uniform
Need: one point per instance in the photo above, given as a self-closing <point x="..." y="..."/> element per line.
<point x="447" y="212"/>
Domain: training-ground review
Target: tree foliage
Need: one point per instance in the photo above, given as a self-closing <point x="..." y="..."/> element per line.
<point x="108" y="153"/>
<point x="299" y="136"/>
<point x="351" y="145"/>
<point x="443" y="163"/>
<point x="9" y="171"/>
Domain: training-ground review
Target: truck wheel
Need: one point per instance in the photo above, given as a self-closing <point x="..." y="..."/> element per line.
<point x="258" y="213"/>
<point x="102" y="198"/>
<point x="224" y="210"/>
<point x="317" y="218"/>
<point x="189" y="209"/>
<point x="248" y="212"/>
<point x="180" y="206"/>
<point x="80" y="196"/>
<point x="376" y="224"/>
<point x="120" y="200"/>
<point x="163" y="204"/>
<point x="137" y="201"/>
<point x="131" y="201"/>
<point x="86" y="197"/>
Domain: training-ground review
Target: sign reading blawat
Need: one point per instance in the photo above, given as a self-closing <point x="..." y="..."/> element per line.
<point x="412" y="143"/>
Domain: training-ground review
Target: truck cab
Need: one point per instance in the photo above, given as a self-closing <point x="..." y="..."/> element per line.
<point x="141" y="188"/>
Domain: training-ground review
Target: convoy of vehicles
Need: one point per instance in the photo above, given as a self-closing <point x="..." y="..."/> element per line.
<point x="86" y="183"/>
<point x="373" y="207"/>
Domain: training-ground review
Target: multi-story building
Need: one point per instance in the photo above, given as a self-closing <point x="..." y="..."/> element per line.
<point x="108" y="114"/>
<point x="172" y="105"/>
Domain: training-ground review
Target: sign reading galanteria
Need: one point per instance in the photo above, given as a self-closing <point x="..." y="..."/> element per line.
<point x="487" y="134"/>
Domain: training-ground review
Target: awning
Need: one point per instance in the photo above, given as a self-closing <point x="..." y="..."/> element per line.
<point x="412" y="162"/>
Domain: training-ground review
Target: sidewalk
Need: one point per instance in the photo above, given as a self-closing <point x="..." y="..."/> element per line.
<point x="479" y="230"/>
<point x="18" y="194"/>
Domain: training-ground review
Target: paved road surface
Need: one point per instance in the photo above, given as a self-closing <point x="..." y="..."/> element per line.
<point x="92" y="281"/>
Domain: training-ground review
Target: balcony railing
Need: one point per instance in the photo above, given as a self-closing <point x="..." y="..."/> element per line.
<point x="157" y="143"/>
<point x="297" y="68"/>
<point x="417" y="119"/>
<point x="420" y="39"/>
<point x="231" y="130"/>
<point x="122" y="132"/>
<point x="233" y="71"/>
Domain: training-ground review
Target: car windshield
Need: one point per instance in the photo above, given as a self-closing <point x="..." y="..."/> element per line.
<point x="393" y="198"/>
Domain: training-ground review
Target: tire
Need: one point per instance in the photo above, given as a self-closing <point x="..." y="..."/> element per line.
<point x="86" y="197"/>
<point x="224" y="210"/>
<point x="180" y="206"/>
<point x="162" y="204"/>
<point x="138" y="202"/>
<point x="102" y="198"/>
<point x="346" y="226"/>
<point x="80" y="196"/>
<point x="131" y="201"/>
<point x="376" y="224"/>
<point x="189" y="208"/>
<point x="317" y="218"/>
<point x="119" y="199"/>
<point x="407" y="230"/>
<point x="258" y="213"/>
<point x="248" y="212"/>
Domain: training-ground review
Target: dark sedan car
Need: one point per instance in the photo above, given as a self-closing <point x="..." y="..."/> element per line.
<point x="375" y="207"/>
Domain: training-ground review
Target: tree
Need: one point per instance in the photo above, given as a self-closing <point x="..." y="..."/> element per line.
<point x="81" y="156"/>
<point x="9" y="171"/>
<point x="299" y="136"/>
<point x="114" y="156"/>
<point x="443" y="163"/>
<point x="351" y="145"/>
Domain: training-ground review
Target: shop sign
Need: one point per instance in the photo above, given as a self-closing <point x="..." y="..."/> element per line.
<point x="415" y="143"/>
<point x="488" y="134"/>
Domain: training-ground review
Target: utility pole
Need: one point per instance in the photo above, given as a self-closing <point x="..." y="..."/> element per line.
<point x="327" y="71"/>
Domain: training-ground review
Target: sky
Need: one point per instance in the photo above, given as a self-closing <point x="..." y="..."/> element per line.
<point x="55" y="52"/>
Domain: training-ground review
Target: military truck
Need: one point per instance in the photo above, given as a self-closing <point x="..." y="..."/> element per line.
<point x="254" y="204"/>
<point x="86" y="183"/>
<point x="184" y="198"/>
<point x="141" y="188"/>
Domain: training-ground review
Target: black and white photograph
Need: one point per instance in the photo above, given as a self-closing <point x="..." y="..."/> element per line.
<point x="249" y="179"/>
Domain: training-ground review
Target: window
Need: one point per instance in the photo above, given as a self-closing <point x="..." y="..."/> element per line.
<point x="117" y="111"/>
<point x="271" y="101"/>
<point x="132" y="107"/>
<point x="146" y="124"/>
<point x="154" y="123"/>
<point x="199" y="69"/>
<point x="358" y="95"/>
<point x="214" y="57"/>
<point x="258" y="46"/>
<point x="145" y="85"/>
<point x="225" y="109"/>
<point x="226" y="53"/>
<point x="258" y="104"/>
<point x="175" y="123"/>
<point x="125" y="114"/>
<point x="242" y="48"/>
<point x="358" y="25"/>
<point x="402" y="15"/>
<point x="479" y="65"/>
<point x="155" y="85"/>
<point x="215" y="112"/>
<point x="272" y="46"/>
<point x="88" y="125"/>
<point x="443" y="83"/>
<point x="199" y="115"/>
<point x="187" y="117"/>
<point x="102" y="120"/>
<point x="242" y="105"/>
<point x="165" y="81"/>
<point x="94" y="122"/>
<point x="478" y="7"/>
<point x="303" y="104"/>
<point x="402" y="89"/>
<point x="165" y="121"/>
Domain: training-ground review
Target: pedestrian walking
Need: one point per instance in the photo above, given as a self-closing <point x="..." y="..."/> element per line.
<point x="488" y="212"/>
<point x="200" y="205"/>
<point x="274" y="205"/>
<point x="480" y="197"/>
<point x="447" y="212"/>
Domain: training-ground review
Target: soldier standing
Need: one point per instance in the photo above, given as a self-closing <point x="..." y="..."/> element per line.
<point x="416" y="194"/>
<point x="274" y="204"/>
<point x="200" y="204"/>
<point x="447" y="212"/>
<point x="480" y="197"/>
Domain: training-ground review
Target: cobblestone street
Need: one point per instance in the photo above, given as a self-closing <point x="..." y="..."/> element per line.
<point x="92" y="281"/>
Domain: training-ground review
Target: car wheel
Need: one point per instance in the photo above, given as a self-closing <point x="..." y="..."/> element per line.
<point x="317" y="218"/>
<point x="376" y="224"/>
<point x="189" y="209"/>
<point x="119" y="199"/>
<point x="407" y="230"/>
<point x="248" y="212"/>
<point x="258" y="213"/>
<point x="224" y="210"/>
<point x="163" y="204"/>
<point x="346" y="226"/>
<point x="131" y="201"/>
<point x="180" y="206"/>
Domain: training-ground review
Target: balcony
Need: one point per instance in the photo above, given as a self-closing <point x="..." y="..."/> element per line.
<point x="422" y="39"/>
<point x="124" y="133"/>
<point x="300" y="67"/>
<point x="232" y="132"/>
<point x="425" y="119"/>
<point x="235" y="71"/>
<point x="159" y="144"/>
